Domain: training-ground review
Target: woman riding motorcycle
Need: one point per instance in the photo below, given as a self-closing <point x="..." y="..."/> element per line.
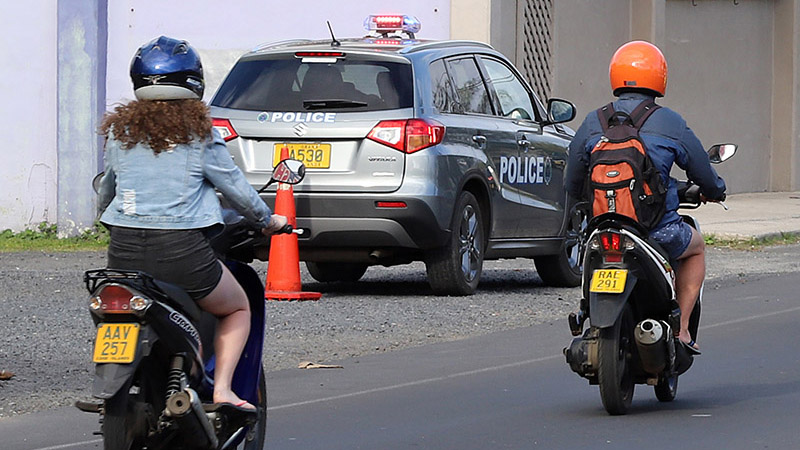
<point x="638" y="73"/>
<point x="163" y="162"/>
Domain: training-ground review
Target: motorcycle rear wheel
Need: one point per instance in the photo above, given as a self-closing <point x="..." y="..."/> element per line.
<point x="614" y="359"/>
<point x="128" y="415"/>
<point x="666" y="389"/>
<point x="257" y="435"/>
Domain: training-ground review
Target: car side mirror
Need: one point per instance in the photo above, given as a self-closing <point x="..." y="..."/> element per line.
<point x="721" y="152"/>
<point x="559" y="111"/>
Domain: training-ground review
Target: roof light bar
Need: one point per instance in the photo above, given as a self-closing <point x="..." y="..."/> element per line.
<point x="392" y="22"/>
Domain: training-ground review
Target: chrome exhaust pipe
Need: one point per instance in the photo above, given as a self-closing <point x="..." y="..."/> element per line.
<point x="651" y="338"/>
<point x="187" y="411"/>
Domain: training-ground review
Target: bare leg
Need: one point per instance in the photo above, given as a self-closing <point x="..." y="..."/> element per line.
<point x="228" y="302"/>
<point x="688" y="280"/>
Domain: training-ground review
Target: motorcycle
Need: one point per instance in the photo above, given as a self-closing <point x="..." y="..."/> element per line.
<point x="154" y="352"/>
<point x="629" y="303"/>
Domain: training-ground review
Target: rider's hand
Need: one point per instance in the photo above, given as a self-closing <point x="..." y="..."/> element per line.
<point x="705" y="199"/>
<point x="276" y="222"/>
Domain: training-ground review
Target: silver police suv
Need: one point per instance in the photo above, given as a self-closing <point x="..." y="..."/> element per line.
<point x="416" y="150"/>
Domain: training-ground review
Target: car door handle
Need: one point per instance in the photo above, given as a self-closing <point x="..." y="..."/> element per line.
<point x="479" y="139"/>
<point x="524" y="143"/>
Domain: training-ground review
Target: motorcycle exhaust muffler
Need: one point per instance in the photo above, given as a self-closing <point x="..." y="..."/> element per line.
<point x="187" y="411"/>
<point x="651" y="338"/>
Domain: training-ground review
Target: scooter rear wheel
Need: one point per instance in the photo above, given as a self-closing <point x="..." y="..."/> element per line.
<point x="129" y="414"/>
<point x="614" y="359"/>
<point x="257" y="434"/>
<point x="666" y="389"/>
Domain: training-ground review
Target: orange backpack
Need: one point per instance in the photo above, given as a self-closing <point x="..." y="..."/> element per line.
<point x="622" y="178"/>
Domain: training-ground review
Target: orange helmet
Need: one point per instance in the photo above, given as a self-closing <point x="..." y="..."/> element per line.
<point x="638" y="65"/>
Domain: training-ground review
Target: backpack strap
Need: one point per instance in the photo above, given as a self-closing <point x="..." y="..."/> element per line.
<point x="637" y="117"/>
<point x="605" y="114"/>
<point x="642" y="111"/>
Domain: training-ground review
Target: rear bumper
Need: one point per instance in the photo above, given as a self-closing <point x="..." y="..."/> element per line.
<point x="335" y="222"/>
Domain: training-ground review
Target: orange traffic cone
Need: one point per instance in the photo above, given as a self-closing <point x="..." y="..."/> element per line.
<point x="283" y="272"/>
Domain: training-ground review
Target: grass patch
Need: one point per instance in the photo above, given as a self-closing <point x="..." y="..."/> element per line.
<point x="752" y="243"/>
<point x="45" y="238"/>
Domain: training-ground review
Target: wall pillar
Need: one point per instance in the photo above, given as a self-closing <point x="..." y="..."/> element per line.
<point x="82" y="41"/>
<point x="784" y="160"/>
<point x="647" y="21"/>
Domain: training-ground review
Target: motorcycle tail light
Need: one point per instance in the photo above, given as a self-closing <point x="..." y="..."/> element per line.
<point x="116" y="299"/>
<point x="613" y="245"/>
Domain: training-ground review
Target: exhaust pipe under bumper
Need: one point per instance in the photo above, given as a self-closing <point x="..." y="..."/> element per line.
<point x="652" y="339"/>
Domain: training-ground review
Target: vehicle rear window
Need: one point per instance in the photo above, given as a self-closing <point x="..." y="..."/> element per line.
<point x="291" y="85"/>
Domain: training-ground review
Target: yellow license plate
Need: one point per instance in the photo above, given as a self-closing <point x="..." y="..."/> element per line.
<point x="116" y="343"/>
<point x="608" y="280"/>
<point x="314" y="156"/>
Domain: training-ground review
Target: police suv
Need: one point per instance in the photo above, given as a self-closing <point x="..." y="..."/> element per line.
<point x="416" y="150"/>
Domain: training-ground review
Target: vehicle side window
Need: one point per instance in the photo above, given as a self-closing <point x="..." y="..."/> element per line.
<point x="441" y="88"/>
<point x="515" y="101"/>
<point x="471" y="93"/>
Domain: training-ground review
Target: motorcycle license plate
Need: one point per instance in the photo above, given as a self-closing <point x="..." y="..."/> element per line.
<point x="116" y="343"/>
<point x="313" y="155"/>
<point x="608" y="281"/>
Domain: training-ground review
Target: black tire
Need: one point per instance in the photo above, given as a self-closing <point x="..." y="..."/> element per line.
<point x="455" y="269"/>
<point x="127" y="416"/>
<point x="256" y="436"/>
<point x="666" y="389"/>
<point x="614" y="361"/>
<point x="566" y="268"/>
<point x="328" y="272"/>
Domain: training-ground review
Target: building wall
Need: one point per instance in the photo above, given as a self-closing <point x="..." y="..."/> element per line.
<point x="722" y="72"/>
<point x="720" y="79"/>
<point x="223" y="31"/>
<point x="734" y="73"/>
<point x="28" y="164"/>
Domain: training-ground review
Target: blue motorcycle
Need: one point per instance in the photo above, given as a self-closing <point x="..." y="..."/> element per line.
<point x="154" y="352"/>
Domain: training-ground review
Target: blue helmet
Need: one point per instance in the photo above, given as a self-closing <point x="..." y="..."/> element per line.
<point x="167" y="69"/>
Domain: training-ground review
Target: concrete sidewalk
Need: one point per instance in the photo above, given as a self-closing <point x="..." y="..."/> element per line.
<point x="752" y="215"/>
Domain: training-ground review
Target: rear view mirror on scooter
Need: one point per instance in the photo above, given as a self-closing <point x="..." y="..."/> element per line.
<point x="289" y="171"/>
<point x="721" y="152"/>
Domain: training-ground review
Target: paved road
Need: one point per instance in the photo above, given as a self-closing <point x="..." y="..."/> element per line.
<point x="513" y="390"/>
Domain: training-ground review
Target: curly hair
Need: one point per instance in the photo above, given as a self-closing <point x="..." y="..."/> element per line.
<point x="159" y="124"/>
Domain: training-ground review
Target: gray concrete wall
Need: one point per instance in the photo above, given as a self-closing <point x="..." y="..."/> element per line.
<point x="733" y="73"/>
<point x="720" y="79"/>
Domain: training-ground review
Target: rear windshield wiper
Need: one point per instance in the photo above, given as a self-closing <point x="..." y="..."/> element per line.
<point x="332" y="103"/>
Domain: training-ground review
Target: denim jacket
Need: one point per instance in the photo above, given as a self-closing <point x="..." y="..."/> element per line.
<point x="175" y="188"/>
<point x="668" y="141"/>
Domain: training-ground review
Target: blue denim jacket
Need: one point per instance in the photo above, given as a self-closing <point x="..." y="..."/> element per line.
<point x="175" y="188"/>
<point x="668" y="141"/>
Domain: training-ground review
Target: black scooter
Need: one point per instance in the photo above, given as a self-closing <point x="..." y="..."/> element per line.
<point x="629" y="303"/>
<point x="154" y="352"/>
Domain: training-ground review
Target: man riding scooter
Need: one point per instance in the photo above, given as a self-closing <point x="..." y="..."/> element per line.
<point x="638" y="74"/>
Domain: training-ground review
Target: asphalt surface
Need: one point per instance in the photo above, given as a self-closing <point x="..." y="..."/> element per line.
<point x="512" y="389"/>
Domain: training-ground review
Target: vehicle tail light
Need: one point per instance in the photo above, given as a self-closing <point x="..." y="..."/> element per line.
<point x="224" y="128"/>
<point x="408" y="136"/>
<point x="116" y="299"/>
<point x="319" y="54"/>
